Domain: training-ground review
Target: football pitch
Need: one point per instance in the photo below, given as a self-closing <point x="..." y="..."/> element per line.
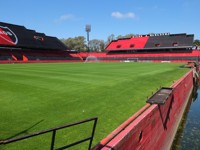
<point x="35" y="97"/>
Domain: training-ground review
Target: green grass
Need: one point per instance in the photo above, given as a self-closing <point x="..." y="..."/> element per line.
<point x="34" y="97"/>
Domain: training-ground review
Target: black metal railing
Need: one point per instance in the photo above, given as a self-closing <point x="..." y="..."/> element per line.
<point x="53" y="130"/>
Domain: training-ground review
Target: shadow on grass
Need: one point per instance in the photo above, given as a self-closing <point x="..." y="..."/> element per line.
<point x="24" y="132"/>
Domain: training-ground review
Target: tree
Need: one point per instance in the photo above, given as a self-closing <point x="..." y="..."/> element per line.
<point x="109" y="39"/>
<point x="129" y="35"/>
<point x="119" y="37"/>
<point x="96" y="45"/>
<point x="196" y="43"/>
<point x="125" y="36"/>
<point x="77" y="43"/>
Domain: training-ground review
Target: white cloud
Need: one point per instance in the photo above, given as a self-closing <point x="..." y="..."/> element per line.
<point x="64" y="17"/>
<point x="120" y="15"/>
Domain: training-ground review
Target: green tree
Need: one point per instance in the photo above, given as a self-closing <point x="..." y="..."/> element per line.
<point x="96" y="45"/>
<point x="77" y="43"/>
<point x="125" y="36"/>
<point x="109" y="39"/>
<point x="119" y="37"/>
<point x="196" y="43"/>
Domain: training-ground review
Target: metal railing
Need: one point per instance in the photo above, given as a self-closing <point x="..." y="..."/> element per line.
<point x="53" y="137"/>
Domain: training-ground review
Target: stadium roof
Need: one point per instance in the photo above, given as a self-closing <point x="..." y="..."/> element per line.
<point x="153" y="41"/>
<point x="16" y="36"/>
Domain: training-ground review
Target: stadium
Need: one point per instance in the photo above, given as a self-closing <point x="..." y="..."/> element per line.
<point x="19" y="44"/>
<point x="46" y="85"/>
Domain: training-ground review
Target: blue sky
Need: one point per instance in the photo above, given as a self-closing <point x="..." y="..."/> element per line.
<point x="67" y="18"/>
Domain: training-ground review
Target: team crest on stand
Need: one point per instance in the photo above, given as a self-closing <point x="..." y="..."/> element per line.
<point x="7" y="36"/>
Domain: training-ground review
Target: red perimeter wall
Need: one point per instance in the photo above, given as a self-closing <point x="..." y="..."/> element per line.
<point x="156" y="127"/>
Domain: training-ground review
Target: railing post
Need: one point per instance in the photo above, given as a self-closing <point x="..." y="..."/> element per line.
<point x="53" y="139"/>
<point x="54" y="135"/>
<point x="93" y="130"/>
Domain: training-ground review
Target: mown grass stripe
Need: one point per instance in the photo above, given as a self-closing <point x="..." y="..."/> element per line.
<point x="60" y="93"/>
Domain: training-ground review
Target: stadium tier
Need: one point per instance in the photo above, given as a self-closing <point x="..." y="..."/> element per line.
<point x="153" y="42"/>
<point x="20" y="44"/>
<point x="152" y="47"/>
<point x="194" y="55"/>
<point x="19" y="37"/>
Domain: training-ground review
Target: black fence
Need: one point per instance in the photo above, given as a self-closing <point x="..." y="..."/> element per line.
<point x="53" y="137"/>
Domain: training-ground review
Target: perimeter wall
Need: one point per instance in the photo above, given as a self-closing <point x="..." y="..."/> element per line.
<point x="155" y="127"/>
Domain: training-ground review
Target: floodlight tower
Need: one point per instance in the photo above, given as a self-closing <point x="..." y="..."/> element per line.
<point x="88" y="29"/>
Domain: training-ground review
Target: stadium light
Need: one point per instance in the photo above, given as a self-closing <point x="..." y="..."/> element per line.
<point x="88" y="29"/>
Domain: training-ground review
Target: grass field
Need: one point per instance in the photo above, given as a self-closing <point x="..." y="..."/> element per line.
<point x="41" y="96"/>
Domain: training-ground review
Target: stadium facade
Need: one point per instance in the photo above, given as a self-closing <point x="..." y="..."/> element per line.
<point x="19" y="44"/>
<point x="152" y="47"/>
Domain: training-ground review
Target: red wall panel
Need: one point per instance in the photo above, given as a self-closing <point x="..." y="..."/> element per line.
<point x="156" y="127"/>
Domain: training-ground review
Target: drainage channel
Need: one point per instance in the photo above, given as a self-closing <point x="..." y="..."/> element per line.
<point x="188" y="134"/>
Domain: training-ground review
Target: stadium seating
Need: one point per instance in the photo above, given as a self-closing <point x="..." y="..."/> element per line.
<point x="128" y="43"/>
<point x="4" y="55"/>
<point x="20" y="44"/>
<point x="156" y="56"/>
<point x="154" y="47"/>
<point x="152" y="43"/>
<point x="26" y="38"/>
<point x="170" y="41"/>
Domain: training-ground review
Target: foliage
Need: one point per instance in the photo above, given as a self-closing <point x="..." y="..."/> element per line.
<point x="96" y="45"/>
<point x="125" y="36"/>
<point x="197" y="43"/>
<point x="77" y="43"/>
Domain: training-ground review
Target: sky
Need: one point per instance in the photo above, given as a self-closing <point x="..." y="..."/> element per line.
<point x="68" y="18"/>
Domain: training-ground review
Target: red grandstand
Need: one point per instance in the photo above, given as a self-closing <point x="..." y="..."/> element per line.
<point x="18" y="44"/>
<point x="152" y="47"/>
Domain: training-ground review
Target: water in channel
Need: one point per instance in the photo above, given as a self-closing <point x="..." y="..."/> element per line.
<point x="188" y="134"/>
